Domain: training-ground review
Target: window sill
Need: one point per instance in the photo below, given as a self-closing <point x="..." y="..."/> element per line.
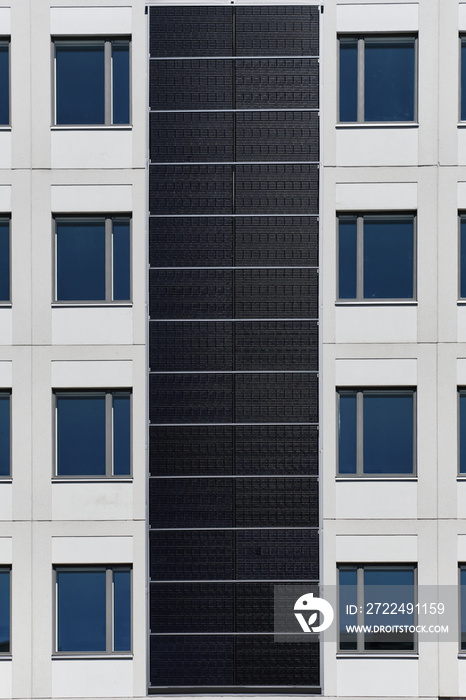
<point x="92" y="480"/>
<point x="6" y="657"/>
<point x="377" y="125"/>
<point x="381" y="655"/>
<point x="377" y="302"/>
<point x="382" y="477"/>
<point x="461" y="302"/>
<point x="91" y="127"/>
<point x="67" y="656"/>
<point x="91" y="304"/>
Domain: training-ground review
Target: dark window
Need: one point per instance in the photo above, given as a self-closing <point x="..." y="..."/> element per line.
<point x="93" y="433"/>
<point x="462" y="430"/>
<point x="4" y="83"/>
<point x="5" y="434"/>
<point x="93" y="259"/>
<point x="93" y="607"/>
<point x="462" y="253"/>
<point x="463" y="606"/>
<point x="463" y="79"/>
<point x="377" y="79"/>
<point x="365" y="594"/>
<point x="376" y="433"/>
<point x="5" y="610"/>
<point x="92" y="82"/>
<point x="376" y="258"/>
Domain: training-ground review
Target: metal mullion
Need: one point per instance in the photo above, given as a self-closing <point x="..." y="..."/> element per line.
<point x="108" y="259"/>
<point x="109" y="609"/>
<point x="108" y="434"/>
<point x="359" y="433"/>
<point x="108" y="82"/>
<point x="360" y="80"/>
<point x="360" y="258"/>
<point x="360" y="606"/>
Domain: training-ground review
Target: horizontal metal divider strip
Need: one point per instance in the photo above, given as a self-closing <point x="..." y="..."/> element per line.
<point x="315" y="477"/>
<point x="232" y="529"/>
<point x="220" y="634"/>
<point x="241" y="580"/>
<point x="234" y="689"/>
<point x="239" y="109"/>
<point x="224" y="320"/>
<point x="224" y="216"/>
<point x="239" y="371"/>
<point x="197" y="425"/>
<point x="234" y="162"/>
<point x="226" y="58"/>
<point x="244" y="267"/>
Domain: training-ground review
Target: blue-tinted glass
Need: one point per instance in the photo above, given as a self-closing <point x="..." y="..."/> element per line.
<point x="4" y="261"/>
<point x="122" y="610"/>
<point x="121" y="261"/>
<point x="348" y="80"/>
<point x="388" y="258"/>
<point x="462" y="436"/>
<point x="120" y="83"/>
<point x="347" y="434"/>
<point x="463" y="258"/>
<point x="463" y="80"/>
<point x="348" y="607"/>
<point x="121" y="434"/>
<point x="80" y="260"/>
<point x="80" y="84"/>
<point x="347" y="258"/>
<point x="81" y="435"/>
<point x="388" y="433"/>
<point x="389" y="586"/>
<point x="463" y="608"/>
<point x="4" y="610"/>
<point x="389" y="80"/>
<point x="4" y="434"/>
<point x="81" y="611"/>
<point x="4" y="84"/>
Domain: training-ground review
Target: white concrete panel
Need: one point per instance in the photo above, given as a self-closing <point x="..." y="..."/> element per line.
<point x="91" y="198"/>
<point x="366" y="677"/>
<point x="376" y="499"/>
<point x="6" y="503"/>
<point x="92" y="550"/>
<point x="92" y="678"/>
<point x="5" y="199"/>
<point x="367" y="196"/>
<point x="376" y="324"/>
<point x="91" y="501"/>
<point x="5" y="148"/>
<point x="461" y="195"/>
<point x="461" y="146"/>
<point x="6" y="689"/>
<point x="92" y="326"/>
<point x="6" y="548"/>
<point x="6" y="327"/>
<point x="462" y="17"/>
<point x="461" y="370"/>
<point x="369" y="145"/>
<point x="461" y="324"/>
<point x="90" y="20"/>
<point x="6" y="374"/>
<point x="461" y="501"/>
<point x="377" y="17"/>
<point x="375" y="372"/>
<point x="461" y="677"/>
<point x="376" y="548"/>
<point x="90" y="148"/>
<point x="5" y="21"/>
<point x="89" y="373"/>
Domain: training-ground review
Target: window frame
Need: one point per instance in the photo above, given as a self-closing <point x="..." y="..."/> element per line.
<point x="383" y="36"/>
<point x="360" y="218"/>
<point x="360" y="391"/>
<point x="360" y="589"/>
<point x="6" y="41"/>
<point x="461" y="39"/>
<point x="108" y="42"/>
<point x="8" y="477"/>
<point x="109" y="612"/>
<point x="109" y="220"/>
<point x="109" y="432"/>
<point x="461" y="217"/>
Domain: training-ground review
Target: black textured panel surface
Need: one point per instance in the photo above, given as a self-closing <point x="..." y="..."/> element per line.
<point x="254" y="607"/>
<point x="277" y="240"/>
<point x="276" y="136"/>
<point x="192" y="660"/>
<point x="190" y="555"/>
<point x="191" y="398"/>
<point x="276" y="398"/>
<point x="191" y="31"/>
<point x="278" y="502"/>
<point x="272" y="82"/>
<point x="276" y="345"/>
<point x="191" y="242"/>
<point x="191" y="450"/>
<point x="186" y="294"/>
<point x="277" y="31"/>
<point x="280" y="189"/>
<point x="275" y="293"/>
<point x="280" y="449"/>
<point x="190" y="346"/>
<point x="192" y="607"/>
<point x="191" y="137"/>
<point x="260" y="660"/>
<point x="194" y="84"/>
<point x="192" y="503"/>
<point x="190" y="189"/>
<point x="277" y="554"/>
